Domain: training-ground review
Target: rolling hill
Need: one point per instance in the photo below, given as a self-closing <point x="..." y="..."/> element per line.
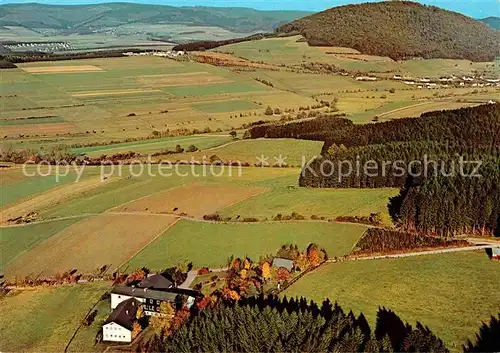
<point x="81" y="18"/>
<point x="493" y="22"/>
<point x="400" y="29"/>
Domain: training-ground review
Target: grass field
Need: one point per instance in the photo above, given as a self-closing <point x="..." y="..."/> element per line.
<point x="226" y="106"/>
<point x="248" y="151"/>
<point x="59" y="194"/>
<point x="450" y="293"/>
<point x="329" y="203"/>
<point x="89" y="244"/>
<point x="127" y="190"/>
<point x="28" y="186"/>
<point x="44" y="319"/>
<point x="155" y="145"/>
<point x="16" y="241"/>
<point x="207" y="244"/>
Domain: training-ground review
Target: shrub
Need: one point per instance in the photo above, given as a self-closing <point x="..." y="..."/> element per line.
<point x="212" y="217"/>
<point x="269" y="111"/>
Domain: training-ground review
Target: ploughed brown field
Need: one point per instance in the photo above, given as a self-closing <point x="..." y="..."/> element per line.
<point x="107" y="239"/>
<point x="195" y="200"/>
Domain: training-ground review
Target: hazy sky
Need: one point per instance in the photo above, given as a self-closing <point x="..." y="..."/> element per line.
<point x="473" y="8"/>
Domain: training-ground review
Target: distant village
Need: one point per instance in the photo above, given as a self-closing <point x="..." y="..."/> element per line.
<point x="442" y="82"/>
<point x="163" y="54"/>
<point x="45" y="47"/>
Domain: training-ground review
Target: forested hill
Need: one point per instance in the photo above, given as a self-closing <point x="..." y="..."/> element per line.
<point x="493" y="22"/>
<point x="400" y="29"/>
<point x="85" y="17"/>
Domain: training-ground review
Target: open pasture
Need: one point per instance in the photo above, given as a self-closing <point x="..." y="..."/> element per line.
<point x="284" y="198"/>
<point x="193" y="200"/>
<point x="43" y="129"/>
<point x="418" y="109"/>
<point x="24" y="182"/>
<point x="184" y="79"/>
<point x="41" y="201"/>
<point x="449" y="293"/>
<point x="60" y="69"/>
<point x="126" y="190"/>
<point x="207" y="244"/>
<point x="44" y="319"/>
<point x="16" y="241"/>
<point x="108" y="239"/>
<point x="226" y="106"/>
<point x="155" y="145"/>
<point x="113" y="92"/>
<point x="294" y="152"/>
<point x="9" y="175"/>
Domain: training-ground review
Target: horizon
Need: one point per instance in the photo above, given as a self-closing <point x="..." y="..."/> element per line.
<point x="473" y="8"/>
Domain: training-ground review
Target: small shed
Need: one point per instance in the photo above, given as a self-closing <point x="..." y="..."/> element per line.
<point x="281" y="262"/>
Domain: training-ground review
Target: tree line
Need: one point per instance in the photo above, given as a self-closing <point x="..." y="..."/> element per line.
<point x="384" y="241"/>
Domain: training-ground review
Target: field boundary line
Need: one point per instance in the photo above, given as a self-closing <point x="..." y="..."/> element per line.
<point x="176" y="220"/>
<point x="247" y="198"/>
<point x="223" y="145"/>
<point x="404" y="108"/>
<point x="112" y="209"/>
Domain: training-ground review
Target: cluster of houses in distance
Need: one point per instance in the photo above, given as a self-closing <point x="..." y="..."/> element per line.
<point x="442" y="82"/>
<point x="163" y="54"/>
<point x="45" y="47"/>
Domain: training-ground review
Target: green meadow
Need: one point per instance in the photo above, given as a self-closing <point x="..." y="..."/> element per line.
<point x="207" y="244"/>
<point x="450" y="293"/>
<point x="45" y="319"/>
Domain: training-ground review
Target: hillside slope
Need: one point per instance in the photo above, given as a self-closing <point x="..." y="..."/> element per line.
<point x="77" y="18"/>
<point x="400" y="30"/>
<point x="493" y="22"/>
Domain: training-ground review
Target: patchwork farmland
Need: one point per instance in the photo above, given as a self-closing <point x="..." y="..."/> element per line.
<point x="108" y="114"/>
<point x="137" y="218"/>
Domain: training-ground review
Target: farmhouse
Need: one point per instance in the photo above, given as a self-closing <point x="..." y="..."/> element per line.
<point x="151" y="292"/>
<point x="118" y="326"/>
<point x="156" y="281"/>
<point x="280" y="262"/>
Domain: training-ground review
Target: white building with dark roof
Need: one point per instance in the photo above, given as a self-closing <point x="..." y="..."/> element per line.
<point x="118" y="326"/>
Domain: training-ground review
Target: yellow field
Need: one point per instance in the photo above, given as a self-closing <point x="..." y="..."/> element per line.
<point x="113" y="93"/>
<point x="61" y="69"/>
<point x="187" y="79"/>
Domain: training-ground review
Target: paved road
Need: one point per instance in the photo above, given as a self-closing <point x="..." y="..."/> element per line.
<point x="190" y="278"/>
<point x="192" y="275"/>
